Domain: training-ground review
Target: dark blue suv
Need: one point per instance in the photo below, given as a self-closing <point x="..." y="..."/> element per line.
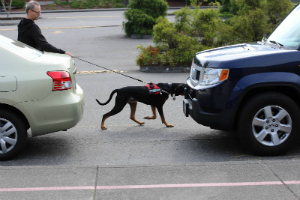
<point x="252" y="88"/>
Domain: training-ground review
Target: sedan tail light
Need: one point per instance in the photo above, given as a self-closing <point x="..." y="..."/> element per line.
<point x="61" y="80"/>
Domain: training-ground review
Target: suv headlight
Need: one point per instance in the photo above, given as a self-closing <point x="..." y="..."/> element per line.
<point x="213" y="76"/>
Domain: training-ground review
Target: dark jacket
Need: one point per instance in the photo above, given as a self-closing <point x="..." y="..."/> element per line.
<point x="30" y="34"/>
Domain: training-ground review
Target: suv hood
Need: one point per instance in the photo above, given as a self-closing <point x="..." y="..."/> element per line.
<point x="214" y="58"/>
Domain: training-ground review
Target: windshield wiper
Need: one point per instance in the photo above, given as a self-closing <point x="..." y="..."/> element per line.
<point x="277" y="43"/>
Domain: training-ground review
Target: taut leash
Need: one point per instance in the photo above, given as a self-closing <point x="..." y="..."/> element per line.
<point x="111" y="70"/>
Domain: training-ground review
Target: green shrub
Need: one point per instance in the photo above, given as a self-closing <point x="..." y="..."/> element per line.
<point x="189" y="2"/>
<point x="277" y="10"/>
<point x="86" y="4"/>
<point x="233" y="7"/>
<point x="206" y="25"/>
<point x="174" y="48"/>
<point x="196" y="30"/>
<point x="252" y="4"/>
<point x="184" y="52"/>
<point x="138" y="23"/>
<point x="103" y="4"/>
<point x="256" y="19"/>
<point x="229" y="6"/>
<point x="141" y="16"/>
<point x="149" y="56"/>
<point x="183" y="20"/>
<point x="165" y="33"/>
<point x="182" y="55"/>
<point x="119" y="5"/>
<point x="250" y="27"/>
<point x="80" y="4"/>
<point x="18" y="4"/>
<point x="225" y="6"/>
<point x="57" y="2"/>
<point x="225" y="15"/>
<point x="60" y="2"/>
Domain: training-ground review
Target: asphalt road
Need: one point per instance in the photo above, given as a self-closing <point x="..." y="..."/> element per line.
<point x="129" y="161"/>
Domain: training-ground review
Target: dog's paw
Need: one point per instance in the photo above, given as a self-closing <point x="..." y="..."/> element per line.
<point x="103" y="128"/>
<point x="169" y="125"/>
<point x="141" y="123"/>
<point x="150" y="117"/>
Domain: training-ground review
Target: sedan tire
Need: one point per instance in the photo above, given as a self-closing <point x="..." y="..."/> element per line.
<point x="269" y="124"/>
<point x="13" y="134"/>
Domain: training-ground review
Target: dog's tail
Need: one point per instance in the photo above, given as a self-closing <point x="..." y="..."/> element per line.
<point x="110" y="97"/>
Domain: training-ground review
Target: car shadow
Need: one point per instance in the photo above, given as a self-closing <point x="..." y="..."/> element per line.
<point x="226" y="146"/>
<point x="52" y="150"/>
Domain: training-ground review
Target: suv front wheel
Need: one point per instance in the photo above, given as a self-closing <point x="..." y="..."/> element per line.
<point x="13" y="134"/>
<point x="268" y="124"/>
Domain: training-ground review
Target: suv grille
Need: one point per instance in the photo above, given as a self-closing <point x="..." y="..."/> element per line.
<point x="197" y="75"/>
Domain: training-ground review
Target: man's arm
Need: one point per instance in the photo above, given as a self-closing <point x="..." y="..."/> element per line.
<point x="42" y="42"/>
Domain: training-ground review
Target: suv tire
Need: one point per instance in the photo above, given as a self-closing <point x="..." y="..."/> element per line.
<point x="268" y="124"/>
<point x="13" y="134"/>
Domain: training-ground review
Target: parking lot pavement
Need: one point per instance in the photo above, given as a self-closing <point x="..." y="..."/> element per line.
<point x="47" y="182"/>
<point x="186" y="162"/>
<point x="231" y="180"/>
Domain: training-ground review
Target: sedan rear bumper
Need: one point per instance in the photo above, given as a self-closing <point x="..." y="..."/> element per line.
<point x="60" y="110"/>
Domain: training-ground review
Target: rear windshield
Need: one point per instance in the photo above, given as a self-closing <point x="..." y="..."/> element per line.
<point x="288" y="32"/>
<point x="19" y="48"/>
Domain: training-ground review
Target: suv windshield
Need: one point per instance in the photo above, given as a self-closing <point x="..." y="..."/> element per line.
<point x="287" y="34"/>
<point x="19" y="48"/>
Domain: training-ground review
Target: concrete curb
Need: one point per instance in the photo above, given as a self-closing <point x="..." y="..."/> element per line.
<point x="97" y="10"/>
<point x="134" y="36"/>
<point x="164" y="69"/>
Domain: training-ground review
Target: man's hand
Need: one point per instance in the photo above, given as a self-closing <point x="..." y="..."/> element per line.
<point x="69" y="54"/>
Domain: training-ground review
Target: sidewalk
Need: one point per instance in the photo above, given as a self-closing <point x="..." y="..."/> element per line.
<point x="226" y="181"/>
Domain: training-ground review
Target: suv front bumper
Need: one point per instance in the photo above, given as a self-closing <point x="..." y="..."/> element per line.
<point x="222" y="119"/>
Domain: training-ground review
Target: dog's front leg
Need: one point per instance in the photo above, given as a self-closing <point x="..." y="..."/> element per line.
<point x="154" y="113"/>
<point x="132" y="112"/>
<point x="161" y="113"/>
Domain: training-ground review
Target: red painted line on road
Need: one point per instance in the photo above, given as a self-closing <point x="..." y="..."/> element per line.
<point x="46" y="189"/>
<point x="120" y="187"/>
<point x="188" y="185"/>
<point x="291" y="182"/>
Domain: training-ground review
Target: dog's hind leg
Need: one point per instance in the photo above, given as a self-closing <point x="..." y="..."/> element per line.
<point x="133" y="105"/>
<point x="120" y="104"/>
<point x="105" y="116"/>
<point x="154" y="113"/>
<point x="161" y="113"/>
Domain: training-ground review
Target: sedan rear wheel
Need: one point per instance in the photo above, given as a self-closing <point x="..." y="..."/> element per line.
<point x="13" y="134"/>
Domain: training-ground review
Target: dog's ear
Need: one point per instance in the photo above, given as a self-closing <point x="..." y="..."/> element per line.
<point x="180" y="90"/>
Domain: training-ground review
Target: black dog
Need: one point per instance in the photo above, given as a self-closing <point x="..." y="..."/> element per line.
<point x="134" y="94"/>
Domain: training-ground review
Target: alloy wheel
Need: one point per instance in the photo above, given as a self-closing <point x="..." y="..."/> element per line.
<point x="8" y="136"/>
<point x="272" y="125"/>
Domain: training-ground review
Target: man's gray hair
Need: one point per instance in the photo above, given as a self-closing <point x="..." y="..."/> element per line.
<point x="30" y="5"/>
